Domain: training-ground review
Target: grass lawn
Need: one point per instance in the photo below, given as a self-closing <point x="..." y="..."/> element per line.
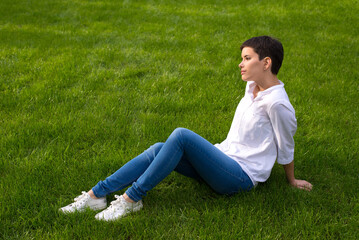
<point x="87" y="85"/>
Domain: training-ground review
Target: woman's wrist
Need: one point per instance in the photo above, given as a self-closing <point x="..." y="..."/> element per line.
<point x="292" y="182"/>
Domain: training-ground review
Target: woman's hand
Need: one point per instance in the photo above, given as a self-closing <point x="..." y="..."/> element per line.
<point x="302" y="184"/>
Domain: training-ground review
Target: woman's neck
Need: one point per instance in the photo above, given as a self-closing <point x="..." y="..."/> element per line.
<point x="267" y="82"/>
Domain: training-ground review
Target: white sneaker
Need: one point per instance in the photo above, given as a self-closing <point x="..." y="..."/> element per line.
<point x="85" y="201"/>
<point x="119" y="208"/>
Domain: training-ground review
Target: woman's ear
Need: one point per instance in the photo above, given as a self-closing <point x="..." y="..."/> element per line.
<point x="267" y="63"/>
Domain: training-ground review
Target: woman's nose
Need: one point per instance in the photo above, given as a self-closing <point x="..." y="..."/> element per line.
<point x="240" y="65"/>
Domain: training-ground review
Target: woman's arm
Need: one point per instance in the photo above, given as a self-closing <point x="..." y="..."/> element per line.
<point x="289" y="172"/>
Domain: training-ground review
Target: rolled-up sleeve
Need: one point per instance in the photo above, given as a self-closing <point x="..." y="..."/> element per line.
<point x="284" y="125"/>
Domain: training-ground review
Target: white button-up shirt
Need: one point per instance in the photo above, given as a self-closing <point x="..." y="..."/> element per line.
<point x="261" y="132"/>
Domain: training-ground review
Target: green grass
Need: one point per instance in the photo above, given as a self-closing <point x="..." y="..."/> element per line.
<point x="87" y="85"/>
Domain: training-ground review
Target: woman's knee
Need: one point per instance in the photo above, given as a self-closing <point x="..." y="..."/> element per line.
<point x="180" y="134"/>
<point x="152" y="152"/>
<point x="156" y="147"/>
<point x="180" y="131"/>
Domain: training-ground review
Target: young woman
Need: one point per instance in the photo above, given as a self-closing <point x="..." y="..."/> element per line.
<point x="261" y="132"/>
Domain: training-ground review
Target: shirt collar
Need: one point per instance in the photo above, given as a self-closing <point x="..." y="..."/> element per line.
<point x="251" y="85"/>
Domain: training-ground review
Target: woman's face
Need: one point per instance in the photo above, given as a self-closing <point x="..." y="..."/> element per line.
<point x="251" y="67"/>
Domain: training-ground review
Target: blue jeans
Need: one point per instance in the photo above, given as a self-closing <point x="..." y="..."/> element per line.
<point x="185" y="152"/>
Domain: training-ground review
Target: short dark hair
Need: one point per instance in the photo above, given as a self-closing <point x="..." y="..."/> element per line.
<point x="266" y="46"/>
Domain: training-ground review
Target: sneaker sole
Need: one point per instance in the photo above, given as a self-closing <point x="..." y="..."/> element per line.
<point x="98" y="207"/>
<point x="135" y="209"/>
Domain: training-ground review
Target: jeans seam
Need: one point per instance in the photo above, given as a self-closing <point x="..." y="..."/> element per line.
<point x="167" y="163"/>
<point x="148" y="157"/>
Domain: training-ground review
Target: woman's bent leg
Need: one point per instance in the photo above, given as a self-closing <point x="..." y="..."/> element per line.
<point x="128" y="173"/>
<point x="218" y="170"/>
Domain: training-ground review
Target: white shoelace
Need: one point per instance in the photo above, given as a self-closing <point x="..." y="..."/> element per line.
<point x="116" y="204"/>
<point x="80" y="199"/>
